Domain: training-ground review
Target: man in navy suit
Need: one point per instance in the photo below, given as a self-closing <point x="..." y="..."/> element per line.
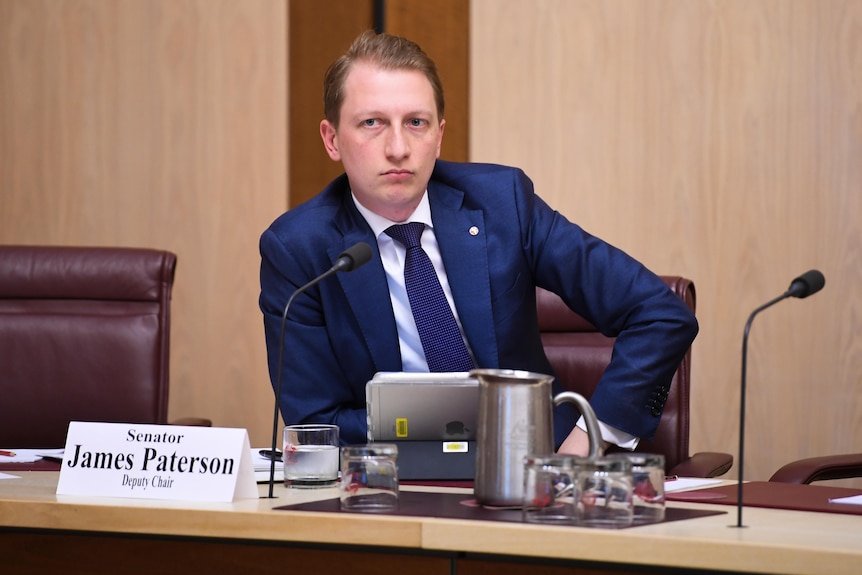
<point x="491" y="239"/>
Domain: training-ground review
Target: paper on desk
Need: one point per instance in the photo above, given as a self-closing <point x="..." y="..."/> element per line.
<point x="682" y="483"/>
<point x="261" y="466"/>
<point x="29" y="455"/>
<point x="7" y="476"/>
<point x="852" y="500"/>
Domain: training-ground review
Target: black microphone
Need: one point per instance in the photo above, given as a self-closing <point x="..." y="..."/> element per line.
<point x="805" y="285"/>
<point x="350" y="259"/>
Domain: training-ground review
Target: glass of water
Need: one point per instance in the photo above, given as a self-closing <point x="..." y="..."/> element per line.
<point x="310" y="455"/>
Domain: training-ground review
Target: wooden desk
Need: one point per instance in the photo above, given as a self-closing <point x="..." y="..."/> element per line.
<point x="41" y="532"/>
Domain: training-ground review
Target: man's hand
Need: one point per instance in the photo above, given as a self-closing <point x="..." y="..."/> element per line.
<point x="578" y="443"/>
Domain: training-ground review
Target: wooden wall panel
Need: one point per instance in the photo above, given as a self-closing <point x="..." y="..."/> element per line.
<point x="320" y="31"/>
<point x="158" y="123"/>
<point x="447" y="42"/>
<point x="718" y="140"/>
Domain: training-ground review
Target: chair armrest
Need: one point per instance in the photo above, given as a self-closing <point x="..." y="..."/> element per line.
<point x="704" y="464"/>
<point x="823" y="468"/>
<point x="192" y="421"/>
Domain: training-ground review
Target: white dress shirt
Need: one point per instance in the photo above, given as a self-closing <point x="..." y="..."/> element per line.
<point x="392" y="255"/>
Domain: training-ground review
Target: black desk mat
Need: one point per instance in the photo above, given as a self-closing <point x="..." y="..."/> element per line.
<point x="463" y="506"/>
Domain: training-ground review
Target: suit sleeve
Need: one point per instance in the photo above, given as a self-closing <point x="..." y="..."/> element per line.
<point x="314" y="385"/>
<point x="623" y="299"/>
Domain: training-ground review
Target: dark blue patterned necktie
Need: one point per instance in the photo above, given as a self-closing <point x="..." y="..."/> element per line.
<point x="441" y="339"/>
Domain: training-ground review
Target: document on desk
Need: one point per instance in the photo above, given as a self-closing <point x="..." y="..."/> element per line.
<point x="262" y="466"/>
<point x="683" y="483"/>
<point x="29" y="455"/>
<point x="852" y="500"/>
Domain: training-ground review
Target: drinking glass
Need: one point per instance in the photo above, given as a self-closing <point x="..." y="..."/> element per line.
<point x="605" y="491"/>
<point x="369" y="477"/>
<point x="647" y="486"/>
<point x="310" y="455"/>
<point x="550" y="490"/>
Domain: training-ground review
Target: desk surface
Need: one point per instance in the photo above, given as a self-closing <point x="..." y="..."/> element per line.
<point x="773" y="541"/>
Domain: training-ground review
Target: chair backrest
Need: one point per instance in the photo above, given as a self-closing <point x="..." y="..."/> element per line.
<point x="579" y="355"/>
<point x="84" y="336"/>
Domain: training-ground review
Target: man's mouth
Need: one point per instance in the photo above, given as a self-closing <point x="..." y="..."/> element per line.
<point x="398" y="174"/>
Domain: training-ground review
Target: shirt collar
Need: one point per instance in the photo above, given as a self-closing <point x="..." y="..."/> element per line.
<point x="379" y="224"/>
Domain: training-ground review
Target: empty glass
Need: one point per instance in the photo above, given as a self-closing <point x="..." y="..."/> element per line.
<point x="647" y="486"/>
<point x="605" y="491"/>
<point x="550" y="490"/>
<point x="369" y="477"/>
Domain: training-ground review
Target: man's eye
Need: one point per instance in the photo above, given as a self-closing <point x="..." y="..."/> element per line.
<point x="370" y="122"/>
<point x="416" y="122"/>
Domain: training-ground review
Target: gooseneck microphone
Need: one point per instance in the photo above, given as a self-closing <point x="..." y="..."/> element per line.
<point x="805" y="285"/>
<point x="350" y="259"/>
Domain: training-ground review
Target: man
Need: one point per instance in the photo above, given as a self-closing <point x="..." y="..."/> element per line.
<point x="491" y="241"/>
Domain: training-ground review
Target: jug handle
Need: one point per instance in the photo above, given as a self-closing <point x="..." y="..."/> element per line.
<point x="594" y="435"/>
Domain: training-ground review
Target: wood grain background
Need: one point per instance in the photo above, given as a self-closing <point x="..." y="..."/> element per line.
<point x="717" y="140"/>
<point x="162" y="124"/>
<point x="720" y="140"/>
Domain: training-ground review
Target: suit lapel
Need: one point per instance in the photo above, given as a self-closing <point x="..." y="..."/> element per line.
<point x="461" y="236"/>
<point x="367" y="292"/>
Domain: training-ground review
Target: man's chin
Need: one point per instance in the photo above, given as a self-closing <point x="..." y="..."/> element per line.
<point x="398" y="204"/>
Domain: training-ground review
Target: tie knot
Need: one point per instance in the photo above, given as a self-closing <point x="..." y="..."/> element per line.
<point x="406" y="234"/>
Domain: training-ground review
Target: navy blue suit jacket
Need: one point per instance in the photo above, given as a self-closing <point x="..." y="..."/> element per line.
<point x="342" y="331"/>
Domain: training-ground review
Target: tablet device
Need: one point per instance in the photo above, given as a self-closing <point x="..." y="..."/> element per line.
<point x="422" y="406"/>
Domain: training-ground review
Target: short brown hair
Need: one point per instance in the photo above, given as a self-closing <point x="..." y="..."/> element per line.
<point x="383" y="50"/>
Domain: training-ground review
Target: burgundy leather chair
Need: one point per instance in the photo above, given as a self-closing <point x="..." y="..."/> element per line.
<point x="579" y="355"/>
<point x="84" y="336"/>
<point x="823" y="468"/>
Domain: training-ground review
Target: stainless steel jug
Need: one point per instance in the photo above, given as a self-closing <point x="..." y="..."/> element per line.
<point x="515" y="420"/>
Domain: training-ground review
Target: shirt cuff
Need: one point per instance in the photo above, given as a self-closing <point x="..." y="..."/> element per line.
<point x="613" y="435"/>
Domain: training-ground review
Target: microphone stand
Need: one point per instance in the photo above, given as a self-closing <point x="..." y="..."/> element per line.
<point x="805" y="285"/>
<point x="352" y="258"/>
<point x="273" y="452"/>
<point x="742" y="402"/>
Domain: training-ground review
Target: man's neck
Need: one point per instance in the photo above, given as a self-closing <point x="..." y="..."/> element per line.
<point x="379" y="222"/>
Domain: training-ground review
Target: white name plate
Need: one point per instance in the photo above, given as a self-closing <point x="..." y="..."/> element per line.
<point x="157" y="462"/>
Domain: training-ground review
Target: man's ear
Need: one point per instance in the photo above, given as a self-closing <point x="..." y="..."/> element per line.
<point x="440" y="137"/>
<point x="330" y="140"/>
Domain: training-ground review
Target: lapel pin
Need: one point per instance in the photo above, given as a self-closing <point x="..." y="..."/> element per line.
<point x="474" y="231"/>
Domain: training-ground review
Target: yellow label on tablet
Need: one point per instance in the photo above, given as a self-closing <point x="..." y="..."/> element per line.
<point x="401" y="427"/>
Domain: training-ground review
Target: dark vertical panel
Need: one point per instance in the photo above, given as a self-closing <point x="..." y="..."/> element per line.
<point x="442" y="28"/>
<point x="318" y="32"/>
<point x="379" y="16"/>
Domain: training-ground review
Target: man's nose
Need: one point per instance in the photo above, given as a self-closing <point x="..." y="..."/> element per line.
<point x="396" y="143"/>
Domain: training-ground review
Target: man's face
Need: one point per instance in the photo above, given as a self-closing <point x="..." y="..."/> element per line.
<point x="388" y="138"/>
